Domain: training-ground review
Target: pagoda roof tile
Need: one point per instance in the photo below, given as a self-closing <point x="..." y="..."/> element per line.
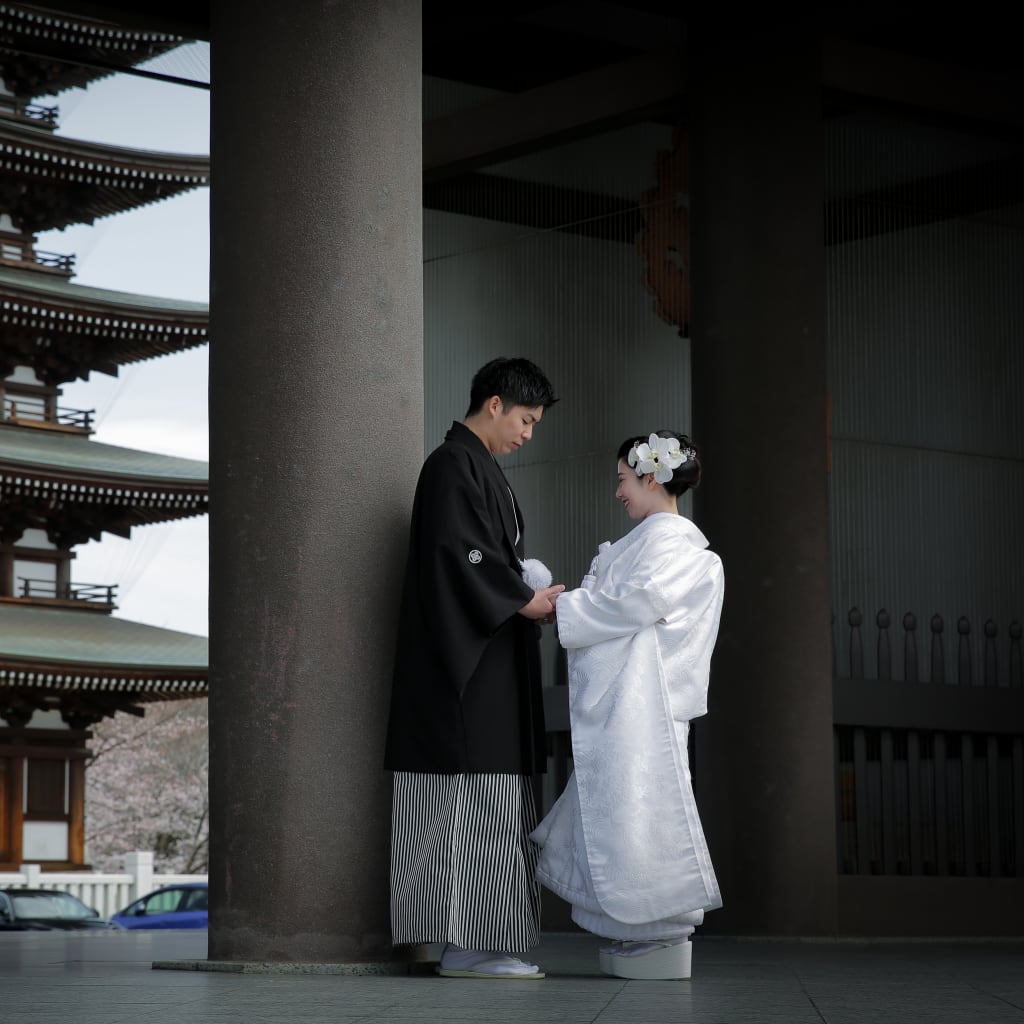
<point x="90" y="641"/>
<point x="27" y="449"/>
<point x="80" y="296"/>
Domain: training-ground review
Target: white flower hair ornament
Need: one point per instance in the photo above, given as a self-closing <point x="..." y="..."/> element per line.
<point x="660" y="456"/>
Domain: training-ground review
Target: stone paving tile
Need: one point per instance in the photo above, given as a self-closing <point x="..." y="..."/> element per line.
<point x="45" y="979"/>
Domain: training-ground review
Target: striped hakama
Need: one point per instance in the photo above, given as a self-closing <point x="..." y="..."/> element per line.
<point x="462" y="864"/>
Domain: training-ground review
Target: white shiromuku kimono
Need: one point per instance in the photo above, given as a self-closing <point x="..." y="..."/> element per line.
<point x="623" y="843"/>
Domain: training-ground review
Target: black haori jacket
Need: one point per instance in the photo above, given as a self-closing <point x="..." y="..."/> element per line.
<point x="466" y="694"/>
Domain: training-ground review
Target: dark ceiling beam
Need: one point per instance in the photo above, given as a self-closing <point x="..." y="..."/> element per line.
<point x="628" y="25"/>
<point x="536" y="206"/>
<point x="652" y="86"/>
<point x="467" y="21"/>
<point x="640" y="88"/>
<point x="961" y="194"/>
<point x="916" y="82"/>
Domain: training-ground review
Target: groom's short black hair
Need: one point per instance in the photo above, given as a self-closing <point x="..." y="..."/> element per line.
<point x="514" y="381"/>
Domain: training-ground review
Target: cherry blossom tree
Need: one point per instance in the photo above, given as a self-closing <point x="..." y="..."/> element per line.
<point x="146" y="788"/>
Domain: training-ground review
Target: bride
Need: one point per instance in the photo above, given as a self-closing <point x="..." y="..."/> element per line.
<point x="623" y="844"/>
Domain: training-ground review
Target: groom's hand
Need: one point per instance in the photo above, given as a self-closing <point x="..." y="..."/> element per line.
<point x="541" y="608"/>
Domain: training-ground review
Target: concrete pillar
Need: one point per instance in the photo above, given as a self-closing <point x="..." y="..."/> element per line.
<point x="764" y="753"/>
<point x="316" y="384"/>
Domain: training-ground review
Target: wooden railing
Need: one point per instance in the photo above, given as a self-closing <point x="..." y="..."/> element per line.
<point x="930" y="775"/>
<point x="910" y="661"/>
<point x="98" y="593"/>
<point x="80" y="419"/>
<point x="13" y="254"/>
<point x="55" y="260"/>
<point x="38" y="114"/>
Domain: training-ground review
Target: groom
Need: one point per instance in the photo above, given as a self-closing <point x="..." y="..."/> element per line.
<point x="466" y="729"/>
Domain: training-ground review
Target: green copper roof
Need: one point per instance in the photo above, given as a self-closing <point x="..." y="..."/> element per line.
<point x="38" y="449"/>
<point x="55" y="287"/>
<point x="93" y="640"/>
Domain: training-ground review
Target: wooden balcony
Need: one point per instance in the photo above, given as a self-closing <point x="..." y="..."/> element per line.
<point x="26" y="112"/>
<point x="29" y="414"/>
<point x="27" y="258"/>
<point x="93" y="596"/>
<point x="38" y="115"/>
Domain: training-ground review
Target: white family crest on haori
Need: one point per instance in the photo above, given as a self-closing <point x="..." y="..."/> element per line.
<point x="660" y="456"/>
<point x="475" y="557"/>
<point x="624" y="844"/>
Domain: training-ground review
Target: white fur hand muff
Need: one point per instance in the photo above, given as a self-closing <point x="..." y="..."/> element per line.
<point x="536" y="573"/>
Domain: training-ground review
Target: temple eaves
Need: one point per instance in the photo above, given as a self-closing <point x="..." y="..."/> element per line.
<point x="45" y="52"/>
<point x="70" y="181"/>
<point x="77" y="489"/>
<point x="83" y="329"/>
<point x="90" y="666"/>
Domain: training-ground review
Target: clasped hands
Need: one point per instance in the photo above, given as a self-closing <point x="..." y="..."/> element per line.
<point x="541" y="607"/>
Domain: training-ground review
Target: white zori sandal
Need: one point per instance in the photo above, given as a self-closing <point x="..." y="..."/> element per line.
<point x="647" y="961"/>
<point x="475" y="963"/>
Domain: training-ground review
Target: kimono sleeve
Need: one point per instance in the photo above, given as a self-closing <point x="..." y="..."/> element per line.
<point x="467" y="586"/>
<point x="656" y="579"/>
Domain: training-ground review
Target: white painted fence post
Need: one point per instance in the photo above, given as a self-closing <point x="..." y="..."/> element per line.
<point x="139" y="865"/>
<point x="33" y="875"/>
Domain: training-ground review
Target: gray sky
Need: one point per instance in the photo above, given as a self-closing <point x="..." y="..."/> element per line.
<point x="159" y="405"/>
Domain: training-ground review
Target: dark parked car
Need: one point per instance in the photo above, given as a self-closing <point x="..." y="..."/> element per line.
<point x="47" y="910"/>
<point x="173" y="906"/>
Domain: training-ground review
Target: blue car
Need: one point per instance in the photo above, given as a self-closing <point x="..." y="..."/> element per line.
<point x="173" y="906"/>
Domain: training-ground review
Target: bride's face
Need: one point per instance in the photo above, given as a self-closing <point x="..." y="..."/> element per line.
<point x="635" y="492"/>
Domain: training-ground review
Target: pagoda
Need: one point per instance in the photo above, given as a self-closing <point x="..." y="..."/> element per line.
<point x="65" y="661"/>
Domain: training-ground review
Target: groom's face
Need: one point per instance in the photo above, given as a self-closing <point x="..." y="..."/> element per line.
<point x="513" y="427"/>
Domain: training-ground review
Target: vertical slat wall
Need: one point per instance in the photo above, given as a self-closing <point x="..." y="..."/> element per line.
<point x="924" y="231"/>
<point x="925" y="253"/>
<point x="546" y="265"/>
<point x="915" y="802"/>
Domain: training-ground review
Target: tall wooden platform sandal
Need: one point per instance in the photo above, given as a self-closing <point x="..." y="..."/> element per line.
<point x="647" y="961"/>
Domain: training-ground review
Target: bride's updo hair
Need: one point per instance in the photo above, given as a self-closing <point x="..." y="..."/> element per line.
<point x="684" y="477"/>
